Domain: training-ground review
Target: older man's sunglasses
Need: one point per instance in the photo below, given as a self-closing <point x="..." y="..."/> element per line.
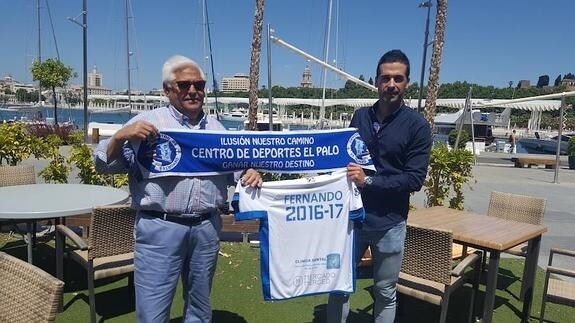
<point x="184" y="86"/>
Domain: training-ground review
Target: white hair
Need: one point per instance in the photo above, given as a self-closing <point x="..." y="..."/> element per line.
<point x="175" y="63"/>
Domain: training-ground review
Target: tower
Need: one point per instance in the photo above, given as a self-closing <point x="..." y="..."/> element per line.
<point x="95" y="78"/>
<point x="306" y="78"/>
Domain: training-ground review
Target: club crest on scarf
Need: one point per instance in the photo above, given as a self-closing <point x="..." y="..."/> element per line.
<point x="160" y="154"/>
<point x="357" y="150"/>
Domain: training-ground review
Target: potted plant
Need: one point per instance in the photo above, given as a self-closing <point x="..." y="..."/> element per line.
<point x="571" y="152"/>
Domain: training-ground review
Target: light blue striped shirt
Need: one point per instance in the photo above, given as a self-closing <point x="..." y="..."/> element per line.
<point x="188" y="195"/>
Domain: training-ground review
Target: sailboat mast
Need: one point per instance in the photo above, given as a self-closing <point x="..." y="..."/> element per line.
<point x="214" y="85"/>
<point x="318" y="61"/>
<point x="128" y="54"/>
<point x="335" y="60"/>
<point x="39" y="48"/>
<point x="205" y="42"/>
<point x="85" y="65"/>
<point x="325" y="59"/>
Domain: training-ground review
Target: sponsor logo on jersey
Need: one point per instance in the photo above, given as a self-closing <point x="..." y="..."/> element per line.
<point x="333" y="261"/>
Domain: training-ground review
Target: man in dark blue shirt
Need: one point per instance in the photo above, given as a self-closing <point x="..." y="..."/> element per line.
<point x="399" y="141"/>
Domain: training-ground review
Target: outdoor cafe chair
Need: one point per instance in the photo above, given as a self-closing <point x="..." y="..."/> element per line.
<point x="427" y="271"/>
<point x="519" y="208"/>
<point x="27" y="293"/>
<point x="557" y="290"/>
<point x="514" y="207"/>
<point x="17" y="175"/>
<point x="109" y="250"/>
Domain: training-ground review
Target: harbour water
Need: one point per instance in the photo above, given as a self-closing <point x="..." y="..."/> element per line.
<point x="76" y="116"/>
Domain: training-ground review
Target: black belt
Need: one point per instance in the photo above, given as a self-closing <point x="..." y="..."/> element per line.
<point x="184" y="219"/>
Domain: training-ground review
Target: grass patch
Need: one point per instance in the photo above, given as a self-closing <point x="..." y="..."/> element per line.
<point x="237" y="295"/>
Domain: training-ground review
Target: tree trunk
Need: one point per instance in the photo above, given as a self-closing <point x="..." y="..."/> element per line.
<point x="55" y="106"/>
<point x="255" y="65"/>
<point x="433" y="83"/>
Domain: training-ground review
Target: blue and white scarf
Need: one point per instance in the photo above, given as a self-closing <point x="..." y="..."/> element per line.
<point x="178" y="152"/>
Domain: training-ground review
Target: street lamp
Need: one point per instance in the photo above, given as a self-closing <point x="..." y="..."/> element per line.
<point x="428" y="5"/>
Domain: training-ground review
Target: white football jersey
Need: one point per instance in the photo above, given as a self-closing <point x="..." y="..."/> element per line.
<point x="306" y="236"/>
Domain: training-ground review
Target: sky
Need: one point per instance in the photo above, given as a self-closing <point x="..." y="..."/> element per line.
<point x="489" y="42"/>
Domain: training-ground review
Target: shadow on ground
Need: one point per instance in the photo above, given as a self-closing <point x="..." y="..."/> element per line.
<point x="219" y="317"/>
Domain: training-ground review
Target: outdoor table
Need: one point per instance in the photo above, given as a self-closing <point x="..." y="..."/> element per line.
<point x="28" y="203"/>
<point x="489" y="234"/>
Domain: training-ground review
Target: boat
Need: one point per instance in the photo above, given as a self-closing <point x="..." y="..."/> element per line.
<point x="263" y="123"/>
<point x="124" y="109"/>
<point x="540" y="145"/>
<point x="482" y="122"/>
<point x="19" y="107"/>
<point x="236" y="115"/>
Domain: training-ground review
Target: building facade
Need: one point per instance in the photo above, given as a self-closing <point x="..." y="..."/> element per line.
<point x="569" y="84"/>
<point x="238" y="83"/>
<point x="9" y="86"/>
<point x="524" y="84"/>
<point x="95" y="83"/>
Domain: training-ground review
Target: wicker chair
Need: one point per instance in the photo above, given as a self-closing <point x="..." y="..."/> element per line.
<point x="515" y="207"/>
<point x="427" y="271"/>
<point x="557" y="290"/>
<point x="17" y="175"/>
<point x="519" y="208"/>
<point x="27" y="293"/>
<point x="110" y="249"/>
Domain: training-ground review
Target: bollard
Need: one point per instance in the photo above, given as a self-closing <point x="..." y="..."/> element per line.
<point x="95" y="135"/>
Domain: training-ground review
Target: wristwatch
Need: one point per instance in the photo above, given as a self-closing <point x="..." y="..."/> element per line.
<point x="368" y="180"/>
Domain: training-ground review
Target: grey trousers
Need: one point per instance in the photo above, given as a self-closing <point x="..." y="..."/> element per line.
<point x="163" y="252"/>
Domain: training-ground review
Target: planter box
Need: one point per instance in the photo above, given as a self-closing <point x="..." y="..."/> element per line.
<point x="571" y="162"/>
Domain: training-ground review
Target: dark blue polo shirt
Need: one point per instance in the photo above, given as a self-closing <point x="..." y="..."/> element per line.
<point x="400" y="148"/>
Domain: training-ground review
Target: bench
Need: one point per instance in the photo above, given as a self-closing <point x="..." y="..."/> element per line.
<point x="230" y="225"/>
<point x="520" y="162"/>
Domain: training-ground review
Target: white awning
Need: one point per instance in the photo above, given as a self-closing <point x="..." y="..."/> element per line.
<point x="534" y="105"/>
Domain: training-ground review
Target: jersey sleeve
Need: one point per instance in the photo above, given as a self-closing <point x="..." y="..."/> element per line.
<point x="356" y="211"/>
<point x="247" y="204"/>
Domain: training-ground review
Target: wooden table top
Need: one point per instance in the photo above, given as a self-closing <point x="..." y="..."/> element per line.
<point x="476" y="229"/>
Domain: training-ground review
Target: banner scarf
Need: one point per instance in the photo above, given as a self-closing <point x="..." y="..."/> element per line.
<point x="182" y="152"/>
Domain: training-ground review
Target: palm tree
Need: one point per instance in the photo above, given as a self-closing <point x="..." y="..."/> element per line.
<point x="433" y="83"/>
<point x="255" y="65"/>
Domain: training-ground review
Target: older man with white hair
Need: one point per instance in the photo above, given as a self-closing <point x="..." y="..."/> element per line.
<point x="178" y="219"/>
